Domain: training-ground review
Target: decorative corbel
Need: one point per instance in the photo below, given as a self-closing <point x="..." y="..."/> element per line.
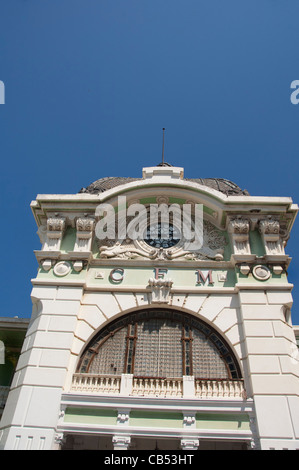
<point x="270" y="231"/>
<point x="82" y="248"/>
<point x="189" y="444"/>
<point x="55" y="229"/>
<point x="85" y="227"/>
<point x="121" y="442"/>
<point x="239" y="233"/>
<point x="160" y="290"/>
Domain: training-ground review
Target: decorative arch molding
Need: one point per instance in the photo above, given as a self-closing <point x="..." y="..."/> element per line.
<point x="214" y="202"/>
<point x="159" y="342"/>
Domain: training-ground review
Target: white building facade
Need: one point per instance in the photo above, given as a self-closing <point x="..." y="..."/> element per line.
<point x="147" y="344"/>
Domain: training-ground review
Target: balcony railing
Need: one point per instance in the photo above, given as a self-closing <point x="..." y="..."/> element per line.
<point x="219" y="388"/>
<point x="100" y="384"/>
<point x="183" y="387"/>
<point x="157" y="387"/>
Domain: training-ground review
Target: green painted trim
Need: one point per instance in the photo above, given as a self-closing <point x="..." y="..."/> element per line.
<point x="90" y="416"/>
<point x="148" y="200"/>
<point x="68" y="240"/>
<point x="139" y="276"/>
<point x="155" y="419"/>
<point x="236" y="422"/>
<point x="71" y="276"/>
<point x="256" y="243"/>
<point x="250" y="279"/>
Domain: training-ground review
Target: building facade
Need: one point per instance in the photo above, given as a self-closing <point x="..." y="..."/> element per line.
<point x="156" y="342"/>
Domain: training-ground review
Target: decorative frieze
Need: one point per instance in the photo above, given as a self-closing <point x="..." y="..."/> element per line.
<point x="212" y="248"/>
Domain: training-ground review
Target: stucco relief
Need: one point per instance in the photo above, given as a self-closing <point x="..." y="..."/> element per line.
<point x="213" y="246"/>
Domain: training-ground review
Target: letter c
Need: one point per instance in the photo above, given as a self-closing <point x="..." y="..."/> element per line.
<point x="116" y="275"/>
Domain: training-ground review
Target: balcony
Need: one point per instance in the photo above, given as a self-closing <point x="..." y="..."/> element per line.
<point x="157" y="387"/>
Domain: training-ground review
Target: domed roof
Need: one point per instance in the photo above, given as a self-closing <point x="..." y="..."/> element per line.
<point x="219" y="184"/>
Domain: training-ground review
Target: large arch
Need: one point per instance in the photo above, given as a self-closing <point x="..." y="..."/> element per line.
<point x="159" y="342"/>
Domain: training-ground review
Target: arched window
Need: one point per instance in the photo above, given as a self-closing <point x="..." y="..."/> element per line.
<point x="159" y="343"/>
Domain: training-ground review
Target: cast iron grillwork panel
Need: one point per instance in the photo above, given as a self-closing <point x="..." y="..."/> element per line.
<point x="160" y="343"/>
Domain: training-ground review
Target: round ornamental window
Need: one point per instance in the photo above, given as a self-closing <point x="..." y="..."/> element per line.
<point x="262" y="273"/>
<point x="62" y="268"/>
<point x="162" y="235"/>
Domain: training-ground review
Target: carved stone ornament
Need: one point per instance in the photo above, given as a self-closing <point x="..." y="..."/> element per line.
<point x="212" y="247"/>
<point x="238" y="229"/>
<point x="123" y="417"/>
<point x="121" y="442"/>
<point x="62" y="268"/>
<point x="269" y="226"/>
<point x="239" y="226"/>
<point x="46" y="264"/>
<point x="189" y="420"/>
<point x="245" y="269"/>
<point x="260" y="272"/>
<point x="270" y="231"/>
<point x="191" y="444"/>
<point x="85" y="224"/>
<point x="56" y="224"/>
<point x="160" y="289"/>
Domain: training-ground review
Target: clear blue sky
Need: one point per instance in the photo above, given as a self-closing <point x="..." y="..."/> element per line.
<point x="89" y="85"/>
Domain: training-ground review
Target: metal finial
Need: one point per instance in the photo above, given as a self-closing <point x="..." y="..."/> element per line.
<point x="163" y="146"/>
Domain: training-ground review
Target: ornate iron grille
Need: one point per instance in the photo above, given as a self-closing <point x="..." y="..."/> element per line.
<point x="159" y="343"/>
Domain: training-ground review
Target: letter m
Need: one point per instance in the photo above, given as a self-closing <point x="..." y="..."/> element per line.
<point x="202" y="279"/>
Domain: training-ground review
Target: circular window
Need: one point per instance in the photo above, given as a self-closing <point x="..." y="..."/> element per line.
<point x="162" y="235"/>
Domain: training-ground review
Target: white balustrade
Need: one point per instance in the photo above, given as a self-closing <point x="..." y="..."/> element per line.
<point x="92" y="383"/>
<point x="205" y="388"/>
<point x="158" y="387"/>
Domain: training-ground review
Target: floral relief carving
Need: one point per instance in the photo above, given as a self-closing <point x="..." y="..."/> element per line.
<point x="56" y="224"/>
<point x="239" y="226"/>
<point x="85" y="224"/>
<point x="269" y="226"/>
<point x="213" y="246"/>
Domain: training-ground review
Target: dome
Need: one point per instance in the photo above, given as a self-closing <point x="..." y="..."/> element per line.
<point x="219" y="184"/>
